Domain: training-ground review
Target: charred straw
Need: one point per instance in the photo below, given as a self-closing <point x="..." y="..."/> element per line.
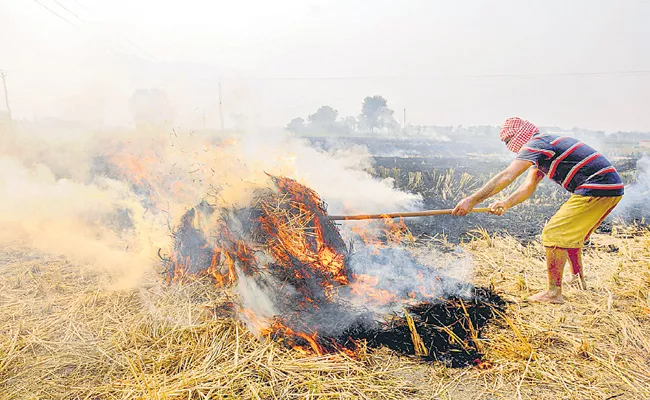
<point x="286" y="243"/>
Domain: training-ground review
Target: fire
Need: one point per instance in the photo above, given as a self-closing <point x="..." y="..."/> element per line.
<point x="296" y="235"/>
<point x="293" y="338"/>
<point x="285" y="247"/>
<point x="365" y="287"/>
<point x="294" y="277"/>
<point x="389" y="232"/>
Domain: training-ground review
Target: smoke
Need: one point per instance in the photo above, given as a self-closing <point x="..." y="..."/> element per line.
<point x="109" y="200"/>
<point x="385" y="278"/>
<point x="73" y="219"/>
<point x="337" y="175"/>
<point x="635" y="205"/>
<point x="254" y="295"/>
<point x="398" y="270"/>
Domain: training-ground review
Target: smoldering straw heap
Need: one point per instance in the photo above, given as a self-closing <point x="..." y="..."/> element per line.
<point x="298" y="281"/>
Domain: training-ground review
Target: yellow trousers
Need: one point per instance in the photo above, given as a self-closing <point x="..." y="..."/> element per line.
<point x="576" y="220"/>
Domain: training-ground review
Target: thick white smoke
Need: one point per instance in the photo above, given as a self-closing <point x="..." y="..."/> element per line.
<point x="75" y="219"/>
<point x="635" y="204"/>
<point x="109" y="200"/>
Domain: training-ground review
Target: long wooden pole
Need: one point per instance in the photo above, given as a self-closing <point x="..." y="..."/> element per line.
<point x="399" y="214"/>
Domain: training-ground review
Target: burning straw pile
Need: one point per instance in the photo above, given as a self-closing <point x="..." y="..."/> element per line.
<point x="299" y="284"/>
<point x="65" y="335"/>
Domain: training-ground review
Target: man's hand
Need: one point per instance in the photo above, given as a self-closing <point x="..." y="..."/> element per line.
<point x="498" y="208"/>
<point x="463" y="207"/>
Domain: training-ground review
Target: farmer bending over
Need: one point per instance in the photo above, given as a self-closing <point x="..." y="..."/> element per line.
<point x="595" y="185"/>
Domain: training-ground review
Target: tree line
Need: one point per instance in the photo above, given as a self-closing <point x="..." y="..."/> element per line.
<point x="375" y="116"/>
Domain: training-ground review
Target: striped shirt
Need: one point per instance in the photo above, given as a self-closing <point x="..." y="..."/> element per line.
<point x="576" y="166"/>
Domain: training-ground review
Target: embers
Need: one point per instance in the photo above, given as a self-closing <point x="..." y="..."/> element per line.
<point x="448" y="330"/>
<point x="287" y="254"/>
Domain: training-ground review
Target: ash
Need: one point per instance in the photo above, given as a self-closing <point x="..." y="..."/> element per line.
<point x="299" y="283"/>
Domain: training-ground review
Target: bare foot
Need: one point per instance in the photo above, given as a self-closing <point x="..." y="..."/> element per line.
<point x="547" y="297"/>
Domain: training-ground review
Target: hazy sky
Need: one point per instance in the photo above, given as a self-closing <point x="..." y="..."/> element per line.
<point x="446" y="62"/>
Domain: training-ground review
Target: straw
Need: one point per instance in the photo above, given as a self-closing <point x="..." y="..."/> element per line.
<point x="64" y="334"/>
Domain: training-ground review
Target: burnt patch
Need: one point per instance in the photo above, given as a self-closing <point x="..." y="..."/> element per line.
<point x="328" y="298"/>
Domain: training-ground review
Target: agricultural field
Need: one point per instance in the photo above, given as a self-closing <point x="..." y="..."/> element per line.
<point x="71" y="331"/>
<point x="66" y="336"/>
<point x="443" y="174"/>
<point x="270" y="200"/>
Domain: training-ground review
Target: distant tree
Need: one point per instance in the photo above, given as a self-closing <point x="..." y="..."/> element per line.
<point x="350" y="124"/>
<point x="297" y="125"/>
<point x="375" y="114"/>
<point x="324" y="121"/>
<point x="324" y="115"/>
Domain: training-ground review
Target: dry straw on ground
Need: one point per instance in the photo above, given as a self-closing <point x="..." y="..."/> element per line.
<point x="64" y="335"/>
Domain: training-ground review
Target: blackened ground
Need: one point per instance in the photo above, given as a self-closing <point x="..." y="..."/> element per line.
<point x="416" y="164"/>
<point x="423" y="175"/>
<point x="434" y="321"/>
<point x="449" y="327"/>
<point x="449" y="320"/>
<point x="410" y="146"/>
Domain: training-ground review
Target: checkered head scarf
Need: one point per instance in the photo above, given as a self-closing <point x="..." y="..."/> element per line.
<point x="515" y="132"/>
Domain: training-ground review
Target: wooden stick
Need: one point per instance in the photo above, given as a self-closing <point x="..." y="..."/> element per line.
<point x="399" y="215"/>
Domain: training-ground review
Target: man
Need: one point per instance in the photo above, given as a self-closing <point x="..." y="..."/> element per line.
<point x="595" y="185"/>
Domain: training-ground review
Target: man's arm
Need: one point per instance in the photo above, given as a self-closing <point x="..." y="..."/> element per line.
<point x="494" y="186"/>
<point x="523" y="192"/>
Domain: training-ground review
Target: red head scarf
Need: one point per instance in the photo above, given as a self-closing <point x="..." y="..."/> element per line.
<point x="516" y="132"/>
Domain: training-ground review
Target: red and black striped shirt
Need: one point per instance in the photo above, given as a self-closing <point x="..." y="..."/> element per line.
<point x="571" y="163"/>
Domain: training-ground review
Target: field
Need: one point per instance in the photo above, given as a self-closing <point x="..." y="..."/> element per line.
<point x="67" y="333"/>
<point x="65" y="336"/>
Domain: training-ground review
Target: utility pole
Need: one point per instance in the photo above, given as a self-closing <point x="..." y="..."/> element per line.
<point x="404" y="118"/>
<point x="4" y="83"/>
<point x="220" y="107"/>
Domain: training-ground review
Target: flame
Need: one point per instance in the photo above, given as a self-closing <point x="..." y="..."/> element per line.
<point x="283" y="235"/>
<point x="293" y="228"/>
<point x="389" y="232"/>
<point x="365" y="286"/>
<point x="290" y="225"/>
<point x="278" y="329"/>
<point x="296" y="236"/>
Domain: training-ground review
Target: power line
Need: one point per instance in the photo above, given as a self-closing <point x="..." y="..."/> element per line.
<point x="541" y="75"/>
<point x="54" y="12"/>
<point x="80" y="5"/>
<point x="134" y="45"/>
<point x="66" y="8"/>
<point x="129" y="41"/>
<point x="145" y="52"/>
<point x="479" y="76"/>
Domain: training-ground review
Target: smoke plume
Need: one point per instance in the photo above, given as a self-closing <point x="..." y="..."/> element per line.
<point x="635" y="206"/>
<point x="110" y="199"/>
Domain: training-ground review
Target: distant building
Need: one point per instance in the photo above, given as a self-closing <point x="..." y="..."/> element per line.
<point x="644" y="143"/>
